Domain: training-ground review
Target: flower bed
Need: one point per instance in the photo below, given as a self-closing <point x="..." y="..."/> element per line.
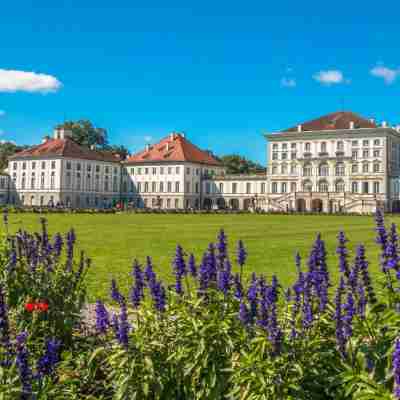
<point x="211" y="335"/>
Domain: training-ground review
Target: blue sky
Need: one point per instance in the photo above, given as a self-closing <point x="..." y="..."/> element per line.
<point x="222" y="71"/>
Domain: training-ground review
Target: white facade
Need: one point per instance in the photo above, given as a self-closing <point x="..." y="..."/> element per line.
<point x="165" y="184"/>
<point x="331" y="170"/>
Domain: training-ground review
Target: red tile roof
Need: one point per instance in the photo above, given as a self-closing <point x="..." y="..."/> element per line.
<point x="337" y="120"/>
<point x="65" y="148"/>
<point x="173" y="148"/>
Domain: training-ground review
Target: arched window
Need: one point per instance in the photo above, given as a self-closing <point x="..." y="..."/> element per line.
<point x="323" y="186"/>
<point x="274" y="170"/>
<point x="307" y="186"/>
<point x="274" y="187"/>
<point x="323" y="147"/>
<point x="323" y="169"/>
<point x="307" y="170"/>
<point x="339" y="186"/>
<point x="354" y="187"/>
<point x="376" y="167"/>
<point x="339" y="146"/>
<point x="308" y="147"/>
<point x="339" y="170"/>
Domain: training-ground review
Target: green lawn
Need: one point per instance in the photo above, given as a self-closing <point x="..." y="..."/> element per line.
<point x="113" y="241"/>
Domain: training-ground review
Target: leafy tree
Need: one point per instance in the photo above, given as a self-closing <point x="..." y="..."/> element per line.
<point x="236" y="164"/>
<point x="85" y="133"/>
<point x="8" y="149"/>
<point x="118" y="149"/>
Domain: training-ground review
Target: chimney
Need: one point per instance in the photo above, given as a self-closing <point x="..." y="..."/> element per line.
<point x="45" y="139"/>
<point x="351" y="124"/>
<point x="299" y="128"/>
<point x="62" y="133"/>
<point x="384" y="124"/>
<point x="147" y="147"/>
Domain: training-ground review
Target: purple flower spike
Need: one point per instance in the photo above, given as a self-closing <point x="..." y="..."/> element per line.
<point x="102" y="318"/>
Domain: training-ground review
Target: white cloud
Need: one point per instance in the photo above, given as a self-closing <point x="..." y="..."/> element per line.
<point x="2" y="113"/>
<point x="22" y="81"/>
<point x="387" y="74"/>
<point x="148" y="138"/>
<point x="330" y="77"/>
<point x="7" y="141"/>
<point x="288" y="82"/>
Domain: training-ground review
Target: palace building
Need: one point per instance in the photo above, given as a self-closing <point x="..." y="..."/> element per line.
<point x="340" y="162"/>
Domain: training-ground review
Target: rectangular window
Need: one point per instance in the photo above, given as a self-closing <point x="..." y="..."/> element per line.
<point x="146" y="187"/>
<point x="132" y="171"/>
<point x="284" y="156"/>
<point x="274" y="156"/>
<point x="78" y="166"/>
<point x="187" y="171"/>
<point x="161" y="170"/>
<point x="161" y="187"/>
<point x="365" y="186"/>
<point x="107" y="170"/>
<point x="354" y="187"/>
<point x="97" y="168"/>
<point x="221" y="187"/>
<point x="146" y="171"/>
<point x="293" y="187"/>
<point x="42" y="180"/>
<point x="68" y="165"/>
<point x="365" y="167"/>
<point x="354" y="154"/>
<point x="293" y="155"/>
<point x="365" y="153"/>
<point x="376" y="187"/>
<point x="176" y="203"/>
<point x="24" y="165"/>
<point x="169" y="187"/>
<point x="283" y="187"/>
<point x="139" y="171"/>
<point x="365" y="142"/>
<point x="68" y="180"/>
<point x="248" y="187"/>
<point x="377" y="153"/>
<point x="377" y="142"/>
<point x="274" y="187"/>
<point x="33" y="164"/>
<point x="139" y="187"/>
<point x="208" y="188"/>
<point x="354" y="168"/>
<point x="154" y="187"/>
<point x="169" y="170"/>
<point x="52" y="180"/>
<point x="197" y="187"/>
<point x="176" y="187"/>
<point x="234" y="187"/>
<point x="177" y="170"/>
<point x="354" y="143"/>
<point x="154" y="170"/>
<point x="33" y="181"/>
<point x="263" y="186"/>
<point x="187" y="187"/>
<point x="15" y="166"/>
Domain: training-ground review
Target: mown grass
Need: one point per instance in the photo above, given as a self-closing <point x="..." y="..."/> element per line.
<point x="113" y="241"/>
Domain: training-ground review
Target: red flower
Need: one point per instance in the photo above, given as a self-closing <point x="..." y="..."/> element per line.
<point x="42" y="306"/>
<point x="29" y="307"/>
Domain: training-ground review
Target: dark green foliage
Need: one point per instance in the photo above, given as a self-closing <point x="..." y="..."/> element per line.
<point x="236" y="164"/>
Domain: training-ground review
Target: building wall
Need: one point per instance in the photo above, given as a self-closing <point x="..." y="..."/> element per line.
<point x="165" y="185"/>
